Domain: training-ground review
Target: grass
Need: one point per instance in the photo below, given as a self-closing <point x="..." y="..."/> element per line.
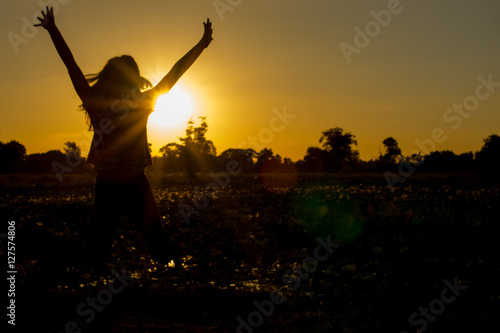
<point x="397" y="248"/>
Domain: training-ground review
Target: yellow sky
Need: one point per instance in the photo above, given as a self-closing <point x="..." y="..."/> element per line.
<point x="411" y="62"/>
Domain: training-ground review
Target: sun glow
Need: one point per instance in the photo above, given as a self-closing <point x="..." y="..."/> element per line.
<point x="172" y="109"/>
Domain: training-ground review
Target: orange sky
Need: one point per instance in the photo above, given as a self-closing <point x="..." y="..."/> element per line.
<point x="411" y="62"/>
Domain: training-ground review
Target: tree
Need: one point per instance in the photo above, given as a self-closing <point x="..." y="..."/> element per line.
<point x="171" y="150"/>
<point x="440" y="161"/>
<point x="195" y="138"/>
<point x="338" y="146"/>
<point x="263" y="156"/>
<point x="12" y="156"/>
<point x="489" y="155"/>
<point x="73" y="154"/>
<point x="446" y="161"/>
<point x="71" y="148"/>
<point x="42" y="162"/>
<point x="244" y="157"/>
<point x="392" y="150"/>
<point x="171" y="154"/>
<point x="196" y="150"/>
<point x="314" y="159"/>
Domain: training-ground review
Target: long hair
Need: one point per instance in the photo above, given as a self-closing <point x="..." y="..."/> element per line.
<point x="119" y="77"/>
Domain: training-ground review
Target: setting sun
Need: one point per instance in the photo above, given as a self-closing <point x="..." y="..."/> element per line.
<point x="172" y="109"/>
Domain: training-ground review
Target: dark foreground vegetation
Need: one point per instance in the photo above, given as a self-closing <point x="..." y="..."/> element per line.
<point x="398" y="250"/>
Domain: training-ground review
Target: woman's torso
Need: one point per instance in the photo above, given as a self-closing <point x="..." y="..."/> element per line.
<point x="120" y="148"/>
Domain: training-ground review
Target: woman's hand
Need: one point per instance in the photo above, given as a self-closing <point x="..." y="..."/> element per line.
<point x="47" y="21"/>
<point x="207" y="35"/>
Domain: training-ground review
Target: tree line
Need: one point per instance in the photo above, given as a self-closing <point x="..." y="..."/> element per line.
<point x="194" y="153"/>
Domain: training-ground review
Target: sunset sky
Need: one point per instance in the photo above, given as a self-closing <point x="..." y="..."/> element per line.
<point x="374" y="68"/>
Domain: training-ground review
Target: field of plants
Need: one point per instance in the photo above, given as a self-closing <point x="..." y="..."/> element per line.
<point x="262" y="253"/>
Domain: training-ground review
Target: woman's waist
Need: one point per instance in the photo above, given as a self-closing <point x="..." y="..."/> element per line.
<point x="120" y="177"/>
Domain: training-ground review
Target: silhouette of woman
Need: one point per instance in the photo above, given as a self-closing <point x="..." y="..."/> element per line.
<point x="117" y="106"/>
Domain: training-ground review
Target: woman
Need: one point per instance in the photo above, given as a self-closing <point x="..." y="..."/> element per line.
<point x="117" y="107"/>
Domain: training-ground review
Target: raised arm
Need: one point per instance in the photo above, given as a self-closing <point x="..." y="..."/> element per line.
<point x="77" y="78"/>
<point x="184" y="63"/>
